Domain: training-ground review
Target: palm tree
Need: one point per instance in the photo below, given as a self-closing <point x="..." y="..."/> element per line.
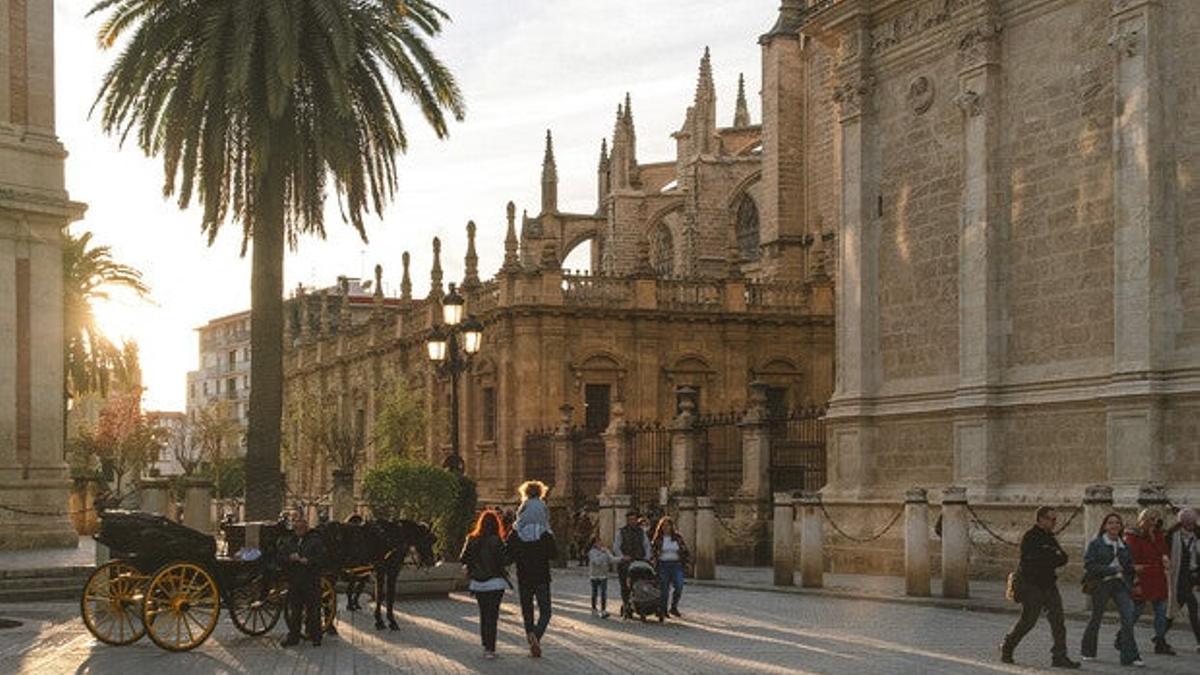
<point x="89" y="273"/>
<point x="255" y="106"/>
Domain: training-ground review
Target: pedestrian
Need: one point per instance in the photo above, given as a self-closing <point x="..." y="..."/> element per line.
<point x="669" y="552"/>
<point x="1037" y="588"/>
<point x="1108" y="573"/>
<point x="533" y="577"/>
<point x="600" y="559"/>
<point x="1185" y="569"/>
<point x="631" y="543"/>
<point x="302" y="555"/>
<point x="583" y="531"/>
<point x="485" y="558"/>
<point x="1148" y="546"/>
<point x="533" y="518"/>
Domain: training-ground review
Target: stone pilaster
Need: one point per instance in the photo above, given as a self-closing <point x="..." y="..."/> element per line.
<point x="1143" y="243"/>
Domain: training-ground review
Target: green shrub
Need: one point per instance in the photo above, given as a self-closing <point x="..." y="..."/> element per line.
<point x="420" y="491"/>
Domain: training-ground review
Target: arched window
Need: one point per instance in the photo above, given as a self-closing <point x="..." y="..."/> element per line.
<point x="664" y="252"/>
<point x="747" y="229"/>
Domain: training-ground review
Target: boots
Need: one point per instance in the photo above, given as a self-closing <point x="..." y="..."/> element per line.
<point x="1006" y="653"/>
<point x="1161" y="647"/>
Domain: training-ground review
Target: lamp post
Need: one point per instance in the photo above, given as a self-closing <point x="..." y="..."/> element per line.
<point x="451" y="347"/>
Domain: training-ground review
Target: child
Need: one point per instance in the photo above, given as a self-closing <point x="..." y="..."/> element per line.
<point x="533" y="518"/>
<point x="599" y="558"/>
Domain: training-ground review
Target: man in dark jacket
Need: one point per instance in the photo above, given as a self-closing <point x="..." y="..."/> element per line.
<point x="1041" y="555"/>
<point x="630" y="543"/>
<point x="533" y="582"/>
<point x="302" y="555"/>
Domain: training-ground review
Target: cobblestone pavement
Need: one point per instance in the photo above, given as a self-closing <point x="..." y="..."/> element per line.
<point x="724" y="631"/>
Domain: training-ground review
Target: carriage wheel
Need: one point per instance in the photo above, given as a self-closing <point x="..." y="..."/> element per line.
<point x="111" y="603"/>
<point x="255" y="608"/>
<point x="182" y="606"/>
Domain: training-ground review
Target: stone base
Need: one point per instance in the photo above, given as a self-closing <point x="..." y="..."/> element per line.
<point x="749" y="543"/>
<point x="46" y="491"/>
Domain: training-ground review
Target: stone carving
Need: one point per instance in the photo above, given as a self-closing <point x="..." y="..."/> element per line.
<point x="980" y="44"/>
<point x="919" y="18"/>
<point x="970" y="102"/>
<point x="920" y="95"/>
<point x="1126" y="39"/>
<point x="850" y="95"/>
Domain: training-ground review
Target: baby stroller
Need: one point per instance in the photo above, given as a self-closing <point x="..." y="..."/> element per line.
<point x="644" y="597"/>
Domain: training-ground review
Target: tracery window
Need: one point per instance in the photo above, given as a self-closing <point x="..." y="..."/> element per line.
<point x="747" y="229"/>
<point x="664" y="252"/>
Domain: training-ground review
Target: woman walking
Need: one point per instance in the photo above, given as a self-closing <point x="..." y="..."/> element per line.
<point x="669" y="553"/>
<point x="484" y="557"/>
<point x="1108" y="573"/>
<point x="1148" y="546"/>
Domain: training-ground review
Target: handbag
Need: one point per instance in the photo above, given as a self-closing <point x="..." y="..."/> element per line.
<point x="1012" y="589"/>
<point x="1091" y="584"/>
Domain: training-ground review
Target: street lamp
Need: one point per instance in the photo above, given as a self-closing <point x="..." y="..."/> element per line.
<point x="444" y="352"/>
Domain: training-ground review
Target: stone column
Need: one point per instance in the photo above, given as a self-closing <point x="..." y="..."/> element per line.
<point x="616" y="450"/>
<point x="977" y="446"/>
<point x="812" y="541"/>
<point x="851" y="436"/>
<point x="683" y="444"/>
<point x="153" y="494"/>
<point x="1144" y="296"/>
<point x="704" y="548"/>
<point x="956" y="544"/>
<point x="686" y="521"/>
<point x="1097" y="503"/>
<point x="916" y="542"/>
<point x="606" y="525"/>
<point x="197" y="504"/>
<point x="342" y="502"/>
<point x="782" y="548"/>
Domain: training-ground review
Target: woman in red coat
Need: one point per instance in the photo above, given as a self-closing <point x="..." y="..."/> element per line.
<point x="1150" y="561"/>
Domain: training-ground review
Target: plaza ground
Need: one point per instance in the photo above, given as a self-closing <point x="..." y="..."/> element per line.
<point x="725" y="630"/>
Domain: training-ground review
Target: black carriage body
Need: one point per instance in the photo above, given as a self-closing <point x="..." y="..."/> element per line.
<point x="149" y="541"/>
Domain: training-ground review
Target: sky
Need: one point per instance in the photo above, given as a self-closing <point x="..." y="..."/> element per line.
<point x="524" y="66"/>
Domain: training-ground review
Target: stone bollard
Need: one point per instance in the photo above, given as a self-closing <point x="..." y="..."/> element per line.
<point x="342" y="503"/>
<point x="606" y="523"/>
<point x="686" y="523"/>
<point x="1097" y="503"/>
<point x="956" y="544"/>
<point x="197" y="504"/>
<point x="916" y="542"/>
<point x="154" y="495"/>
<point x="782" y="549"/>
<point x="812" y="541"/>
<point x="706" y="539"/>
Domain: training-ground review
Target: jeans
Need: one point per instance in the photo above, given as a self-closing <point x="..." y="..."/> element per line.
<point x="600" y="587"/>
<point x="1119" y="592"/>
<point x="489" y="616"/>
<point x="1160" y="616"/>
<point x="1033" y="600"/>
<point x="670" y="574"/>
<point x="542" y="593"/>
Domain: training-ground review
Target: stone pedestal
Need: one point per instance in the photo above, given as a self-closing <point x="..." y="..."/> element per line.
<point x="916" y="542"/>
<point x="197" y="504"/>
<point x="342" y="505"/>
<point x="683" y="445"/>
<point x="686" y="522"/>
<point x="752" y="541"/>
<point x="705" y="545"/>
<point x="956" y="545"/>
<point x="812" y="541"/>
<point x="153" y="494"/>
<point x="783" y="555"/>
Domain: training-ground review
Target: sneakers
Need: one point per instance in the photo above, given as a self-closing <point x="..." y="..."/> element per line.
<point x="1062" y="662"/>
<point x="603" y="614"/>
<point x="490" y="656"/>
<point x="535" y="647"/>
<point x="1138" y="663"/>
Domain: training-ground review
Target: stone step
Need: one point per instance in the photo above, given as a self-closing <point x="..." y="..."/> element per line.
<point x="77" y="572"/>
<point x="44" y="582"/>
<point x="63" y="592"/>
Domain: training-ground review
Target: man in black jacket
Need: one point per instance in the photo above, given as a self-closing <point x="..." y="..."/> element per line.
<point x="1041" y="555"/>
<point x="302" y="555"/>
<point x="533" y="582"/>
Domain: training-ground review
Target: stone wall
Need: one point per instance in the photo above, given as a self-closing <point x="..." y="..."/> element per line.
<point x="1183" y="74"/>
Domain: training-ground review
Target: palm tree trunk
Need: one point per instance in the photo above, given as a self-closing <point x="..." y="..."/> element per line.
<point x="264" y="499"/>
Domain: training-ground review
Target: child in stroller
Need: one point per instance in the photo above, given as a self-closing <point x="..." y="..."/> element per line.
<point x="644" y="594"/>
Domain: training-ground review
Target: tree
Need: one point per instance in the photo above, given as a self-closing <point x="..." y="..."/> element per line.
<point x="334" y="435"/>
<point x="399" y="429"/>
<point x="89" y="274"/>
<point x="215" y="431"/>
<point x="124" y="440"/>
<point x="255" y="106"/>
<point x="401" y="488"/>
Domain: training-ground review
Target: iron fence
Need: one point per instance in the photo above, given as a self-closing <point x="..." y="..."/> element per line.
<point x="648" y="464"/>
<point x="587" y="479"/>
<point x="798" y="450"/>
<point x="539" y="455"/>
<point x="718" y="471"/>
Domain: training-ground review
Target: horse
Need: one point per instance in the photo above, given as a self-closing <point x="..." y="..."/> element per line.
<point x="382" y="547"/>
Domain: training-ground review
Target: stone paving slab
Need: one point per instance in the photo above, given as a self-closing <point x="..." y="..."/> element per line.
<point x="82" y="555"/>
<point x="724" y="631"/>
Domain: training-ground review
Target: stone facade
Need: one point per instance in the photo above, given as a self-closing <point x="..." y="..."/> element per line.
<point x="34" y="209"/>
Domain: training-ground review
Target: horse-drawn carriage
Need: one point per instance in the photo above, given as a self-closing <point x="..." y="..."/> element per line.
<point x="168" y="581"/>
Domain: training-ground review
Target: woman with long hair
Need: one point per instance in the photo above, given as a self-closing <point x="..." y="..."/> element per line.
<point x="669" y="553"/>
<point x="485" y="559"/>
<point x="1108" y="572"/>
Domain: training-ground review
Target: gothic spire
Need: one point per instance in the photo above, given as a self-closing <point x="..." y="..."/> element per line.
<point x="406" y="280"/>
<point x="549" y="178"/>
<point x="344" y="318"/>
<point x="741" y="117"/>
<point x="703" y="114"/>
<point x="435" y="273"/>
<point x="791" y="16"/>
<point x="471" y="260"/>
<point x="603" y="153"/>
<point x="377" y="296"/>
<point x="512" y="262"/>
